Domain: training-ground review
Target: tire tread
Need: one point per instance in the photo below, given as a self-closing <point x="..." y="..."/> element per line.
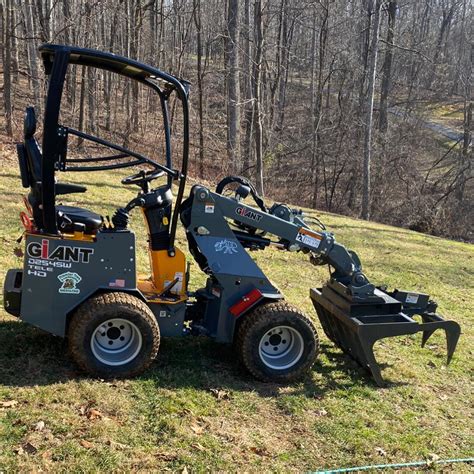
<point x="268" y="312"/>
<point x="87" y="312"/>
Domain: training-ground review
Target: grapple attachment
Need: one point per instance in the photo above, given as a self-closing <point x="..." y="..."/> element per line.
<point x="356" y="323"/>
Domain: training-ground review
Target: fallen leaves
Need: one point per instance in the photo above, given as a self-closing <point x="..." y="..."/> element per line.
<point x="115" y="445"/>
<point x="18" y="252"/>
<point x="94" y="414"/>
<point x="8" y="404"/>
<point x="220" y="394"/>
<point x="166" y="456"/>
<point x="380" y="451"/>
<point x="197" y="429"/>
<point x="198" y="425"/>
<point x="432" y="458"/>
<point x="198" y="446"/>
<point x="86" y="444"/>
<point x="26" y="448"/>
<point x="260" y="451"/>
<point x="90" y="413"/>
<point x="39" y="426"/>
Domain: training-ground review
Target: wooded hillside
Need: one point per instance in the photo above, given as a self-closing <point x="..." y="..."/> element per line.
<point x="359" y="107"/>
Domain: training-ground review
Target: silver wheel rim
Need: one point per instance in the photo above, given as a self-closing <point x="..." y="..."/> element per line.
<point x="281" y="347"/>
<point x="116" y="342"/>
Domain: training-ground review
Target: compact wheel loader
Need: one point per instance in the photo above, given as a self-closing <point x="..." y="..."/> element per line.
<point x="79" y="276"/>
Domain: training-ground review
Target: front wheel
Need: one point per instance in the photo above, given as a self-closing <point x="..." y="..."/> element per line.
<point x="114" y="335"/>
<point x="277" y="343"/>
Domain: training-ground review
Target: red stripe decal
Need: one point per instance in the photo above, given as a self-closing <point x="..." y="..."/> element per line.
<point x="44" y="248"/>
<point x="248" y="300"/>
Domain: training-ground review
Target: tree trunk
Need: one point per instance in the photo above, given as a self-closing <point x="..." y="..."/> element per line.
<point x="317" y="101"/>
<point x="82" y="100"/>
<point x="466" y="159"/>
<point x="258" y="41"/>
<point x="7" y="64"/>
<point x="285" y="42"/>
<point x="15" y="63"/>
<point x="372" y="69"/>
<point x="198" y="23"/>
<point x="387" y="66"/>
<point x="249" y="98"/>
<point x="233" y="85"/>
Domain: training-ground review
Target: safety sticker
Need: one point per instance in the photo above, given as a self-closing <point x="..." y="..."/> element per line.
<point x="69" y="282"/>
<point x="307" y="237"/>
<point x="412" y="298"/>
<point x="178" y="286"/>
<point x="209" y="209"/>
<point x="229" y="247"/>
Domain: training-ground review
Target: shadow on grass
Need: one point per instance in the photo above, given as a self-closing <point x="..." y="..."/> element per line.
<point x="11" y="175"/>
<point x="29" y="357"/>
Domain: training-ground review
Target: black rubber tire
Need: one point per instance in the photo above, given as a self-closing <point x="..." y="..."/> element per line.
<point x="106" y="306"/>
<point x="256" y="323"/>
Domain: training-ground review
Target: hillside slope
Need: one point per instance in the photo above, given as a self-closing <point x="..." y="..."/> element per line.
<point x="197" y="409"/>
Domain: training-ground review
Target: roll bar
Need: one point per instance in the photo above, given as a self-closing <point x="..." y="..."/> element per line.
<point x="56" y="58"/>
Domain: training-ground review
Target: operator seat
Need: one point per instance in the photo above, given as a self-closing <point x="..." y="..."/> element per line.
<point x="30" y="158"/>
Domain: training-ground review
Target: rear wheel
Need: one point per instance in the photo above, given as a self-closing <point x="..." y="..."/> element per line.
<point x="114" y="335"/>
<point x="277" y="343"/>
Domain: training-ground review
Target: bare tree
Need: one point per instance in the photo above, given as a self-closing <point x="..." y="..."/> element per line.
<point x="233" y="85"/>
<point x="6" y="13"/>
<point x="387" y="66"/>
<point x="372" y="69"/>
<point x="200" y="77"/>
<point x="248" y="90"/>
<point x="257" y="112"/>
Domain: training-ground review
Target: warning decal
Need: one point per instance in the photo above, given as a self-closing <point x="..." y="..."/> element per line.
<point x="308" y="237"/>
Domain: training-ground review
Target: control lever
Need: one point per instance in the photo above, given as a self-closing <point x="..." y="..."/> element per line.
<point x="121" y="216"/>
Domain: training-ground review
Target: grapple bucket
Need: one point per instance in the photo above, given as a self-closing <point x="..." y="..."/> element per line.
<point x="355" y="324"/>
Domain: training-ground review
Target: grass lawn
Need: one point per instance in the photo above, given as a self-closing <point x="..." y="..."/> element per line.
<point x="197" y="410"/>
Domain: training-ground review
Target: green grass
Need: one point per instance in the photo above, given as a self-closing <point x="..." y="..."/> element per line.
<point x="169" y="418"/>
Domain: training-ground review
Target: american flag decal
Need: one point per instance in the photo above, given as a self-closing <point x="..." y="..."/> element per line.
<point x="117" y="283"/>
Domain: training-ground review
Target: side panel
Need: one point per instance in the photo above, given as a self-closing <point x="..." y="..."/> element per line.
<point x="165" y="269"/>
<point x="170" y="318"/>
<point x="59" y="274"/>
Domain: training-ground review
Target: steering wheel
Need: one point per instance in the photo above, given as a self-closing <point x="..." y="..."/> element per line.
<point x="142" y="177"/>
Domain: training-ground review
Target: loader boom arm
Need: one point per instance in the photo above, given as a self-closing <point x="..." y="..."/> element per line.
<point x="295" y="235"/>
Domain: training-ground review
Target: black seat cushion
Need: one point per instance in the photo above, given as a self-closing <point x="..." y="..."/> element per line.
<point x="90" y="219"/>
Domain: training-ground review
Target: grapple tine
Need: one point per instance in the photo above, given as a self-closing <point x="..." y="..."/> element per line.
<point x="367" y="346"/>
<point x="453" y="331"/>
<point x="426" y="336"/>
<point x="432" y="322"/>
